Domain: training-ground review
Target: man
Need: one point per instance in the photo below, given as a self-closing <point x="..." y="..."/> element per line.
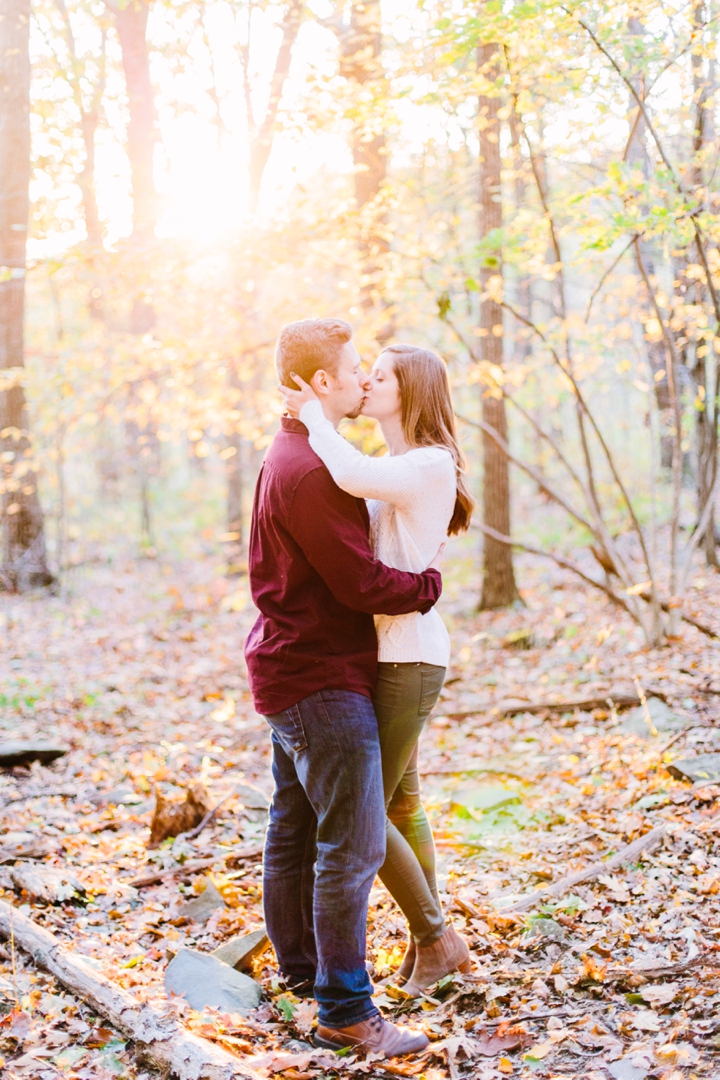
<point x="312" y="663"/>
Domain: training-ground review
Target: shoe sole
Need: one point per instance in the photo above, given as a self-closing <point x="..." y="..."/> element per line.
<point x="326" y="1044"/>
<point x="414" y="991"/>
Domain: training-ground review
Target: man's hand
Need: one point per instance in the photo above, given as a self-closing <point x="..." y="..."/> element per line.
<point x="295" y="399"/>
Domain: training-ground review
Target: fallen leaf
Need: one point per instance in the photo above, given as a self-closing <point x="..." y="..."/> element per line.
<point x="661" y="994"/>
<point x="592" y="968"/>
<point x="513" y="1038"/>
<point x="305" y="1013"/>
<point x="539" y="1051"/>
<point x="646" y="1020"/>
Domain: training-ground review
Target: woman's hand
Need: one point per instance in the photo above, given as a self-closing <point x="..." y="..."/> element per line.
<point x="436" y="561"/>
<point x="295" y="399"/>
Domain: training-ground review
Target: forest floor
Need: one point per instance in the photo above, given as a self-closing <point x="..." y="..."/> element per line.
<point x="137" y="667"/>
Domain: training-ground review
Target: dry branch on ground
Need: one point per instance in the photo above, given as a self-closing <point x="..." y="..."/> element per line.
<point x="524" y="806"/>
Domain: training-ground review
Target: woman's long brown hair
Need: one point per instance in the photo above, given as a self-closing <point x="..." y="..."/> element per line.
<point x="428" y="418"/>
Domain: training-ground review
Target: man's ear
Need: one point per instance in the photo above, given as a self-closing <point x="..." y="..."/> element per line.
<point x="320" y="383"/>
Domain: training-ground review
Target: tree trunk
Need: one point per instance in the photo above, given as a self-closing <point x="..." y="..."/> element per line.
<point x="89" y="120"/>
<point x="704" y="373"/>
<point x="131" y="22"/>
<point x="86" y="179"/>
<point x="498" y="588"/>
<point x="361" y="64"/>
<point x="24" y="556"/>
<point x="262" y="135"/>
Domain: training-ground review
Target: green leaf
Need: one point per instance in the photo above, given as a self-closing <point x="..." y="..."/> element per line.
<point x="287" y="1008"/>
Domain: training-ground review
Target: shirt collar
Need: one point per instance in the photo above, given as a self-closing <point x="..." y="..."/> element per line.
<point x="289" y="424"/>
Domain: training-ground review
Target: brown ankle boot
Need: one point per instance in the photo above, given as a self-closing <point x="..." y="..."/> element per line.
<point x="375" y="1036"/>
<point x="432" y="962"/>
<point x="405" y="970"/>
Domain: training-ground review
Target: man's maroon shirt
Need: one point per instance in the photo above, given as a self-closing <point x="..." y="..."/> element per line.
<point x="316" y="582"/>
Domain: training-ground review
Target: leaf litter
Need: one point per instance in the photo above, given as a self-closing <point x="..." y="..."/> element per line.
<point x="138" y="669"/>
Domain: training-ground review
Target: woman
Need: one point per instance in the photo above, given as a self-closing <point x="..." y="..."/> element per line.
<point x="417" y="496"/>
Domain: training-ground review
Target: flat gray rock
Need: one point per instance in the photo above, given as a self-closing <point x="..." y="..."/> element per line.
<point x="17" y="752"/>
<point x="662" y="716"/>
<point x="239" y="951"/>
<point x="201" y="907"/>
<point x="483" y="797"/>
<point x="252" y="797"/>
<point x="702" y="767"/>
<point x="626" y="1069"/>
<point x="550" y="929"/>
<point x="122" y="796"/>
<point x="206" y="982"/>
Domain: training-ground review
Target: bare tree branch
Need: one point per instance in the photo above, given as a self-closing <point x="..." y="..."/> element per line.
<point x="564" y="563"/>
<point x="533" y="473"/>
<point x="606" y="275"/>
<point x="606" y="450"/>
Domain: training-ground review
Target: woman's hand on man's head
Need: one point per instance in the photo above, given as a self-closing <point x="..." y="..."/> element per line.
<point x="295" y="399"/>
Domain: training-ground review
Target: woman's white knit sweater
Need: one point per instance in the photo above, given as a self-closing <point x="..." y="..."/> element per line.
<point x="411" y="498"/>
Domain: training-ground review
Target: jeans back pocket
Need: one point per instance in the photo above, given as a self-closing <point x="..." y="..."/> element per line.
<point x="288" y="727"/>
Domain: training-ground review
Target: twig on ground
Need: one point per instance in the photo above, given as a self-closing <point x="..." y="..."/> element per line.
<point x="65" y="793"/>
<point x="626" y="854"/>
<point x="679" y="734"/>
<point x="465" y="907"/>
<point x="609" y="700"/>
<point x="251" y="851"/>
<point x="665" y="970"/>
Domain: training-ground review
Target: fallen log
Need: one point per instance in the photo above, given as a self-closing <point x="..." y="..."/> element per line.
<point x="19" y="752"/>
<point x="618" y="701"/>
<point x="195" y="866"/>
<point x="667" y="971"/>
<point x="160" y="1040"/>
<point x="51" y="793"/>
<point x="644" y="843"/>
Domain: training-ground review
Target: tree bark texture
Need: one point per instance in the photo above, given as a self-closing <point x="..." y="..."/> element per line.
<point x="498" y="588"/>
<point x="24" y="556"/>
<point x="160" y="1040"/>
<point x="131" y="23"/>
<point x="705" y="370"/>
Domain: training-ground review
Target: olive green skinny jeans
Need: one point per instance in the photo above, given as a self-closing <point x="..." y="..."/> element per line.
<point x="404" y="697"/>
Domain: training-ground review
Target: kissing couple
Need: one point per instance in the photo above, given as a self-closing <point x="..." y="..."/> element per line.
<point x="346" y="660"/>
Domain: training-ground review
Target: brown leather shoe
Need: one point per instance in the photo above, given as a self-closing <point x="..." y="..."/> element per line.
<point x="375" y="1036"/>
<point x="405" y="970"/>
<point x="432" y="962"/>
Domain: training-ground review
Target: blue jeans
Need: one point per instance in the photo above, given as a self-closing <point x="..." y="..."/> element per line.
<point x="325" y="843"/>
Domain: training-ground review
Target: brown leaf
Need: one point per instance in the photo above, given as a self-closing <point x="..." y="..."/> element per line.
<point x="592" y="969"/>
<point x="513" y="1038"/>
<point x="304" y="1015"/>
<point x="172" y="816"/>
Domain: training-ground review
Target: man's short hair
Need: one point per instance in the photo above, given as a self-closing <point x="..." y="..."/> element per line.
<point x="308" y="346"/>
